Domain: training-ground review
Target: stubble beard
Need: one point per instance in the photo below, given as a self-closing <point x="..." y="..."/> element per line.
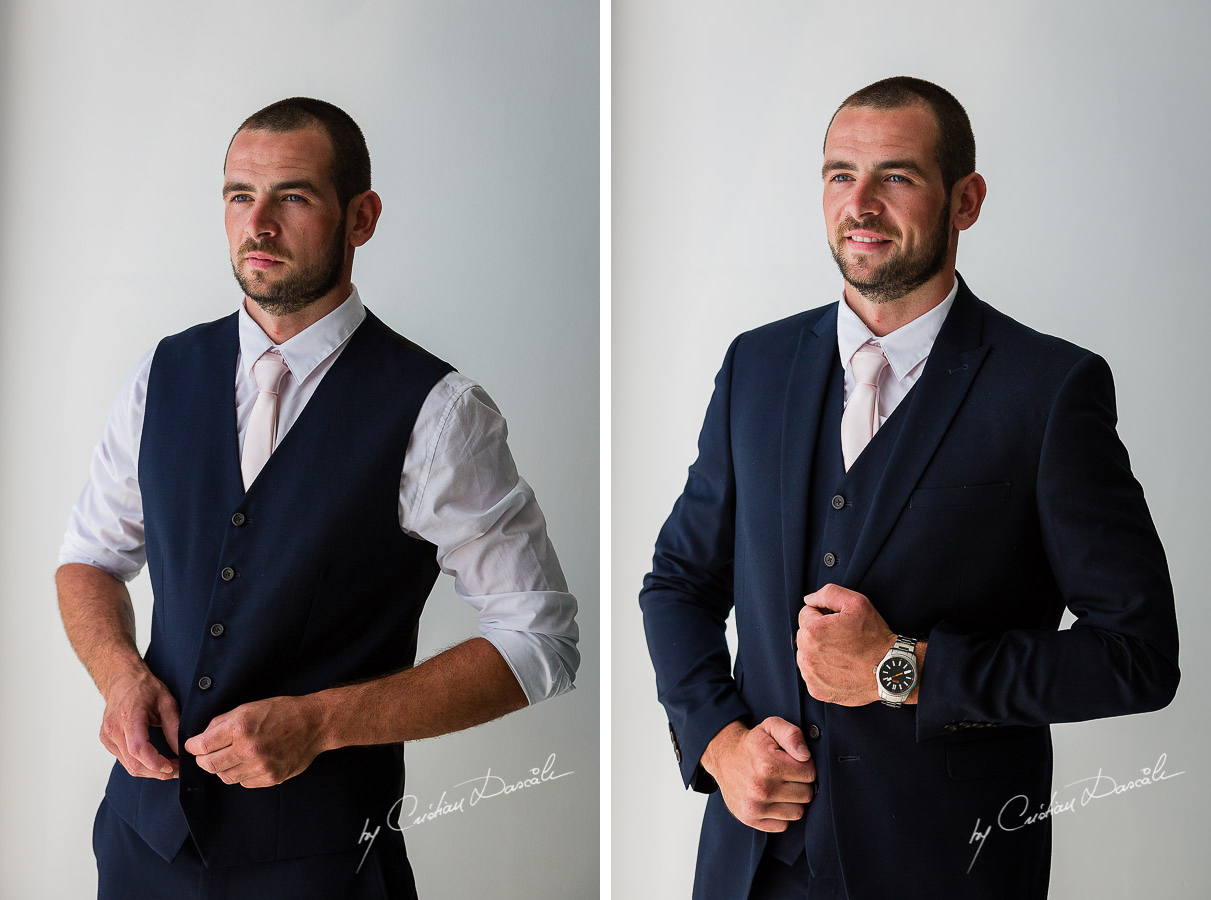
<point x="299" y="289"/>
<point x="901" y="274"/>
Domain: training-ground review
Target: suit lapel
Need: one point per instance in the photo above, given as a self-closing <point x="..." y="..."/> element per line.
<point x="802" y="412"/>
<point x="955" y="358"/>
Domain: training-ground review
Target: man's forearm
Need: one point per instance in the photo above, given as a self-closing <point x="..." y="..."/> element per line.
<point x="467" y="685"/>
<point x="100" y="623"/>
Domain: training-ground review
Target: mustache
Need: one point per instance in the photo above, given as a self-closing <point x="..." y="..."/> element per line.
<point x="251" y="246"/>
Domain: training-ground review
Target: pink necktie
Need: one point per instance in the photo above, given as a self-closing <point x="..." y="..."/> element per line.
<point x="861" y="418"/>
<point x="263" y="423"/>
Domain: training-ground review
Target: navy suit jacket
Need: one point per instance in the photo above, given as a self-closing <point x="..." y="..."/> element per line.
<point x="1008" y="497"/>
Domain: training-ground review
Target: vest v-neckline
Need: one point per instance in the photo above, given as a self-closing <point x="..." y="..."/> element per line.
<point x="330" y="384"/>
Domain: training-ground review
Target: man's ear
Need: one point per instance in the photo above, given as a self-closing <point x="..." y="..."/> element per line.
<point x="361" y="217"/>
<point x="967" y="197"/>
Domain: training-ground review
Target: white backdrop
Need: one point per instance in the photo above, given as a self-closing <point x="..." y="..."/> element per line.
<point x="482" y="122"/>
<point x="1091" y="122"/>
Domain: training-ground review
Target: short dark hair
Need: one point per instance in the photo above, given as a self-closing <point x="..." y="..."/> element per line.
<point x="956" y="147"/>
<point x="350" y="158"/>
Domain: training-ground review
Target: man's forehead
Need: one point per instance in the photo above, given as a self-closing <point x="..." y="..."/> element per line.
<point x="907" y="131"/>
<point x="256" y="152"/>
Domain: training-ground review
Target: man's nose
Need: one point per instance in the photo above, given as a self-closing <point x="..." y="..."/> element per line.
<point x="865" y="199"/>
<point x="260" y="222"/>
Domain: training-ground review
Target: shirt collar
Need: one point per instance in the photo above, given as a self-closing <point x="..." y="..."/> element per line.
<point x="307" y="349"/>
<point x="905" y="347"/>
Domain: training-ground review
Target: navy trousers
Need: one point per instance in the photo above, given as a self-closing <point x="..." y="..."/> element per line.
<point x="127" y="869"/>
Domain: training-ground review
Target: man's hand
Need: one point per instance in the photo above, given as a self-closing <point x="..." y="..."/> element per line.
<point x="841" y="639"/>
<point x="134" y="703"/>
<point x="260" y="744"/>
<point x="766" y="774"/>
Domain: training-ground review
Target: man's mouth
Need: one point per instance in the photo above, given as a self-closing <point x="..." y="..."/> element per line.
<point x="867" y="238"/>
<point x="261" y="261"/>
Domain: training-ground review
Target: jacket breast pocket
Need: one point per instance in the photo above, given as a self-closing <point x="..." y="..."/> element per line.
<point x="990" y="757"/>
<point x="960" y="496"/>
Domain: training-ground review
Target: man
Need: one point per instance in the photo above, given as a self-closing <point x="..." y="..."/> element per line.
<point x="898" y="494"/>
<point x="293" y="528"/>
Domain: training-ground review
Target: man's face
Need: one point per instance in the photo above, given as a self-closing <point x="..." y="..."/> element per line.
<point x="885" y="208"/>
<point x="285" y="226"/>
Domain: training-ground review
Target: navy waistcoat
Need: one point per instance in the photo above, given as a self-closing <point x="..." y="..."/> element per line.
<point x="303" y="582"/>
<point x="838" y="504"/>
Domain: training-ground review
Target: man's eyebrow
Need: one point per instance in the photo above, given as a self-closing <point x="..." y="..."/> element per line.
<point x="832" y="165"/>
<point x="903" y="165"/>
<point x="297" y="184"/>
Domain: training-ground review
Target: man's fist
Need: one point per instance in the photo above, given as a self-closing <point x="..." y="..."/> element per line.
<point x="766" y="774"/>
<point x="841" y="639"/>
<point x="260" y="744"/>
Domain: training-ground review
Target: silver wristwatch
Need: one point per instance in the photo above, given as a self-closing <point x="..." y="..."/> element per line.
<point x="896" y="673"/>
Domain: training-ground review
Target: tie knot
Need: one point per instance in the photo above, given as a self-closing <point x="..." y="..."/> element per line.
<point x="868" y="362"/>
<point x="268" y="371"/>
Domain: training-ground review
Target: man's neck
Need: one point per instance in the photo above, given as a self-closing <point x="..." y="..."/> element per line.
<point x="282" y="328"/>
<point x="885" y="317"/>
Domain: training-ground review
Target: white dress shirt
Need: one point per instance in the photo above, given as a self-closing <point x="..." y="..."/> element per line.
<point x="459" y="490"/>
<point x="907" y="348"/>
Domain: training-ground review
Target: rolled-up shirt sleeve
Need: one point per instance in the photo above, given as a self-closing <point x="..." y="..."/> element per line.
<point x="460" y="491"/>
<point x="106" y="524"/>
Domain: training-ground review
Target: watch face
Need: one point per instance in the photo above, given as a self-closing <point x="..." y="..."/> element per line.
<point x="897" y="675"/>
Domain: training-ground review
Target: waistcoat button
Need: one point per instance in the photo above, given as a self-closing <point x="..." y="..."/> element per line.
<point x="227" y="574"/>
<point x="217" y="629"/>
<point x="813" y="732"/>
<point x="238" y="519"/>
<point x="829" y="560"/>
<point x="838" y="501"/>
<point x="204" y="682"/>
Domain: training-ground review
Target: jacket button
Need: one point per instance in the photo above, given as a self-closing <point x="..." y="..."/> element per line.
<point x="204" y="682"/>
<point x="838" y="501"/>
<point x="217" y="629"/>
<point x="238" y="519"/>
<point x="829" y="560"/>
<point x="227" y="574"/>
<point x="813" y="732"/>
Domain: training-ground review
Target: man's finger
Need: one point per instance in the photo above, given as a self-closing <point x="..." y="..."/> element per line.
<point x="140" y="748"/>
<point x="220" y="760"/>
<point x="170" y="720"/>
<point x="787" y="736"/>
<point x="813" y="608"/>
<point x="215" y="737"/>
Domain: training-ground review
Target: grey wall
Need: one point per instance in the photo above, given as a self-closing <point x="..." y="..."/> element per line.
<point x="482" y="121"/>
<point x="1091" y="122"/>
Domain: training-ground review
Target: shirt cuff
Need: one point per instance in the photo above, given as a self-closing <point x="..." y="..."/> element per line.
<point x="536" y="634"/>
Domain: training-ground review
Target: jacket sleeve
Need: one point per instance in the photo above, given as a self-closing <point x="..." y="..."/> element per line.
<point x="688" y="594"/>
<point x="1120" y="655"/>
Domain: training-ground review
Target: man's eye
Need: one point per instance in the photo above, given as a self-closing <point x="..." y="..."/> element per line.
<point x="239" y="198"/>
<point x="294" y="198"/>
<point x="841" y="176"/>
<point x="897" y="179"/>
